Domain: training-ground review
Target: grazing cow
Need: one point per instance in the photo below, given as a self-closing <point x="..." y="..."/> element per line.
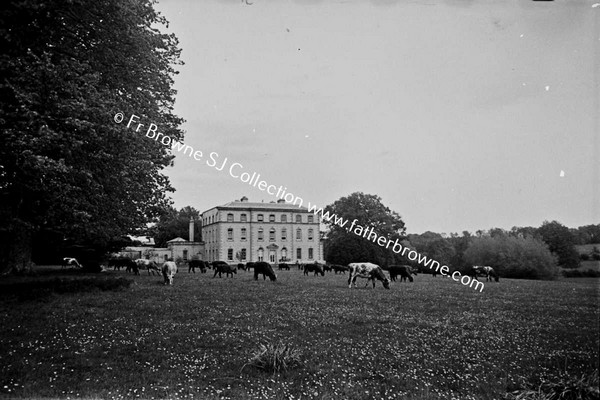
<point x="284" y="266"/>
<point x="225" y="269"/>
<point x="241" y="266"/>
<point x="127" y="263"/>
<point x="193" y="264"/>
<point x="326" y="268"/>
<point x="367" y="270"/>
<point x="265" y="269"/>
<point x="484" y="270"/>
<point x="339" y="268"/>
<point x="151" y="266"/>
<point x="169" y="269"/>
<point x="71" y="262"/>
<point x="250" y="266"/>
<point x="316" y="268"/>
<point x="405" y="271"/>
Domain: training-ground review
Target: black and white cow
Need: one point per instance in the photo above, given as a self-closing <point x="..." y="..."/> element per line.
<point x="169" y="269"/>
<point x="369" y="271"/>
<point x="71" y="262"/>
<point x="150" y="266"/>
<point x="405" y="272"/>
<point x="265" y="269"/>
<point x="486" y="270"/>
<point x="225" y="269"/>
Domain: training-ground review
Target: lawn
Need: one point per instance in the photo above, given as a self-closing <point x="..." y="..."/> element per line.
<point x="431" y="339"/>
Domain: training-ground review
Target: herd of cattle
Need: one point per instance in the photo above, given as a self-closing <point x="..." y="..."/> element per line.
<point x="369" y="271"/>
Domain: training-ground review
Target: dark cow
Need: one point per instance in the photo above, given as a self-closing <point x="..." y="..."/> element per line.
<point x="369" y="271"/>
<point x="316" y="268"/>
<point x="71" y="262"/>
<point x="486" y="270"/>
<point x="265" y="269"/>
<point x="326" y="268"/>
<point x="193" y="264"/>
<point x="241" y="266"/>
<point x="225" y="269"/>
<point x="124" y="262"/>
<point x="250" y="266"/>
<point x="405" y="272"/>
<point x="339" y="268"/>
<point x="283" y="266"/>
<point x="169" y="269"/>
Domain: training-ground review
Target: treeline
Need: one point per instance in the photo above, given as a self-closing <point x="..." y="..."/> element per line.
<point x="522" y="252"/>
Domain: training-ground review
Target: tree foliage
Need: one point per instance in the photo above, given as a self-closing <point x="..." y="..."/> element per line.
<point x="344" y="246"/>
<point x="434" y="246"/>
<point x="513" y="257"/>
<point x="65" y="165"/>
<point x="174" y="224"/>
<point x="561" y="242"/>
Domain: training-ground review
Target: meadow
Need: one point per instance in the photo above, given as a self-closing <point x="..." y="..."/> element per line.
<point x="430" y="339"/>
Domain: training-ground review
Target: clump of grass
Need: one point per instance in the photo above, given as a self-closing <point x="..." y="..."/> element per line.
<point x="38" y="289"/>
<point x="275" y="357"/>
<point x="569" y="388"/>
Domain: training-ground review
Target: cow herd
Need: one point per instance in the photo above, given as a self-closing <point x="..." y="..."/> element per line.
<point x="371" y="272"/>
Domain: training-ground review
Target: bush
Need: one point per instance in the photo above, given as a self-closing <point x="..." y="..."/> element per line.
<point x="584" y="257"/>
<point x="574" y="273"/>
<point x="513" y="257"/>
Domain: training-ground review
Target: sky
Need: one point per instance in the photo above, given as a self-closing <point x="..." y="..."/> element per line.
<point x="460" y="115"/>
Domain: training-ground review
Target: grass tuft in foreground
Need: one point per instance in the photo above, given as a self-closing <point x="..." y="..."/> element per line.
<point x="566" y="388"/>
<point x="275" y="357"/>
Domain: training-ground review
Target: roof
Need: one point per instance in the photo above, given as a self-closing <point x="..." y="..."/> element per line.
<point x="177" y="239"/>
<point x="245" y="205"/>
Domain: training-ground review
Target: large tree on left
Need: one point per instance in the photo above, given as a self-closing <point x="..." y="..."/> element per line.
<point x="66" y="68"/>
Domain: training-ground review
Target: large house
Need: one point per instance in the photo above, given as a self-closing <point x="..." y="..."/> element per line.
<point x="241" y="231"/>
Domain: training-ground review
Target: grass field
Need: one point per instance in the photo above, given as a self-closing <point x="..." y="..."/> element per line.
<point x="431" y="339"/>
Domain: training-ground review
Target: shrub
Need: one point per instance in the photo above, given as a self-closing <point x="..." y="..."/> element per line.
<point x="574" y="273"/>
<point x="513" y="257"/>
<point x="275" y="357"/>
<point x="584" y="257"/>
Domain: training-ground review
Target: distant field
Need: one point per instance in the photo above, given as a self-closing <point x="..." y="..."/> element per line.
<point x="431" y="339"/>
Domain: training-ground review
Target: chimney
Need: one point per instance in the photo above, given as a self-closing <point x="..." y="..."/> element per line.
<point x="244" y="199"/>
<point x="191" y="229"/>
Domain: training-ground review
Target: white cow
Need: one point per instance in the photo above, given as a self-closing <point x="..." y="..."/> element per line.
<point x="169" y="269"/>
<point x="70" y="262"/>
<point x="367" y="270"/>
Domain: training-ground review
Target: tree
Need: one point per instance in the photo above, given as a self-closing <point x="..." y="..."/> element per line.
<point x="513" y="257"/>
<point x="344" y="246"/>
<point x="174" y="224"/>
<point x="561" y="242"/>
<point x="460" y="245"/>
<point x="435" y="246"/>
<point x="65" y="165"/>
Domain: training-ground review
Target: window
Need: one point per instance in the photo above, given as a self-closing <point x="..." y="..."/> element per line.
<point x="229" y="217"/>
<point x="185" y="255"/>
<point x="272" y="218"/>
<point x="310" y="234"/>
<point x="283" y="218"/>
<point x="243" y="235"/>
<point x="299" y="218"/>
<point x="284" y="254"/>
<point x="299" y="254"/>
<point x="260" y="217"/>
<point x="243" y="254"/>
<point x="310" y="253"/>
<point x="229" y="254"/>
<point x="261" y="234"/>
<point x="298" y="234"/>
<point x="272" y="235"/>
<point x="310" y="219"/>
<point x="230" y="234"/>
<point x="261" y="254"/>
<point x="243" y="218"/>
<point x="284" y="234"/>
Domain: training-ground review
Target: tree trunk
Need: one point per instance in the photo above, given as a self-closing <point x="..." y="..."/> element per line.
<point x="15" y="247"/>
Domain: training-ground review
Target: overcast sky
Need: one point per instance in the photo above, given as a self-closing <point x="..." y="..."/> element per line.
<point x="460" y="115"/>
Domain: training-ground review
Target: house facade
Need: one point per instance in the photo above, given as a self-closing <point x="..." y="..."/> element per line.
<point x="242" y="231"/>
